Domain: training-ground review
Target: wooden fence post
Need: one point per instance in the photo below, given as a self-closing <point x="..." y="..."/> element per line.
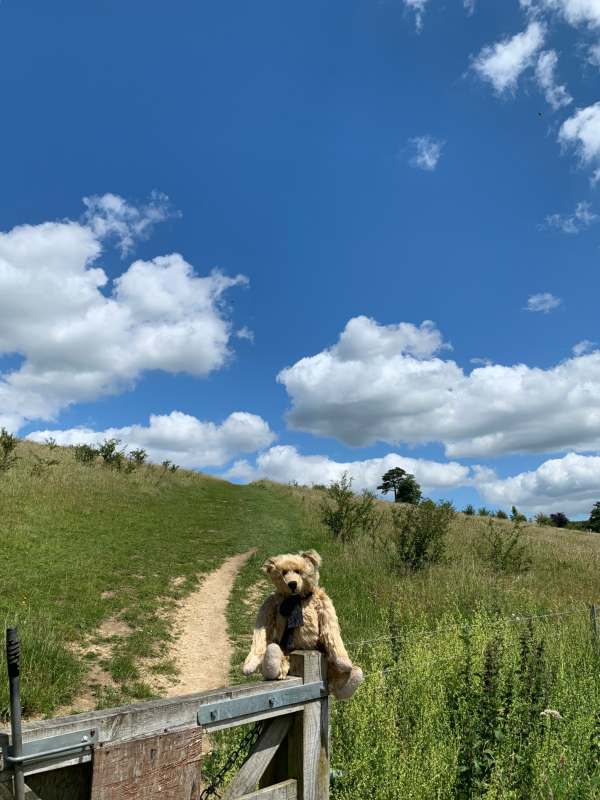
<point x="308" y="740"/>
<point x="594" y="619"/>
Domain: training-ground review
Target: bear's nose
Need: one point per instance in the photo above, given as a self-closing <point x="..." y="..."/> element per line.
<point x="292" y="585"/>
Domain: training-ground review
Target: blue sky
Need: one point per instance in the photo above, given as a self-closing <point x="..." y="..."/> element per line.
<point x="366" y="167"/>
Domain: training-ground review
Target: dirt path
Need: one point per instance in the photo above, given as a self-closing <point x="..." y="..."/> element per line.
<point x="203" y="650"/>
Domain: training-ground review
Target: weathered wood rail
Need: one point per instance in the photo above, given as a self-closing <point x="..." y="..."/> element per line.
<point x="155" y="749"/>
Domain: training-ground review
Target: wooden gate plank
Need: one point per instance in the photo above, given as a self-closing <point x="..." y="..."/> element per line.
<point x="287" y="790"/>
<point x="250" y="773"/>
<point x="166" y="765"/>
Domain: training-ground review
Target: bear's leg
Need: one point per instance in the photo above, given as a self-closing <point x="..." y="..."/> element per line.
<point x="342" y="685"/>
<point x="275" y="665"/>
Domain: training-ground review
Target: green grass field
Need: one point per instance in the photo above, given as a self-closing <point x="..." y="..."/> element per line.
<point x="478" y="684"/>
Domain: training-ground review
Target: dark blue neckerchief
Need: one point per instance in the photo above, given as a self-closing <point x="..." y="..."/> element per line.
<point x="291" y="608"/>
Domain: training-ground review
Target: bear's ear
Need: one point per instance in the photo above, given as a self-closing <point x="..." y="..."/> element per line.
<point x="269" y="566"/>
<point x="312" y="556"/>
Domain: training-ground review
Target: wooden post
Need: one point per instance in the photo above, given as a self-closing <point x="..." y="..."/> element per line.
<point x="308" y="740"/>
<point x="594" y="618"/>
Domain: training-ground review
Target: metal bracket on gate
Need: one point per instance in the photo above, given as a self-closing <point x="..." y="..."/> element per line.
<point x="75" y="742"/>
<point x="235" y="707"/>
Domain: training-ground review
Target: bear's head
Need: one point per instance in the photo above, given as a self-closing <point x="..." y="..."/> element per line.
<point x="294" y="573"/>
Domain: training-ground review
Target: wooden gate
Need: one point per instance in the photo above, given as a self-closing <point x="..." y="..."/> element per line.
<point x="155" y="750"/>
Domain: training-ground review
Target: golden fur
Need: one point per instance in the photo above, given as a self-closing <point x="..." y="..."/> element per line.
<point x="299" y="574"/>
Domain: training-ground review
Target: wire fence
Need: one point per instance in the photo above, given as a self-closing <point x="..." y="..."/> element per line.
<point x="465" y="627"/>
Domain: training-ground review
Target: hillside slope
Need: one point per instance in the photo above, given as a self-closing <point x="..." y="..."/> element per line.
<point x="463" y="662"/>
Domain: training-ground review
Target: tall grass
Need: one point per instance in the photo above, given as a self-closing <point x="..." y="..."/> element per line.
<point x="465" y="696"/>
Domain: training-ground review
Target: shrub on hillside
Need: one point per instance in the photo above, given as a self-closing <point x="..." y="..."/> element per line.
<point x="111" y="456"/>
<point x="346" y="514"/>
<point x="501" y="514"/>
<point x="484" y="512"/>
<point x="8" y="445"/>
<point x="516" y="515"/>
<point x="559" y="520"/>
<point x="469" y="510"/>
<point x="419" y="534"/>
<point x="505" y="550"/>
<point x="542" y="519"/>
<point x="138" y="457"/>
<point x="85" y="454"/>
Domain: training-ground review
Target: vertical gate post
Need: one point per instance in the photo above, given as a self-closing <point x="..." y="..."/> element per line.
<point x="308" y="740"/>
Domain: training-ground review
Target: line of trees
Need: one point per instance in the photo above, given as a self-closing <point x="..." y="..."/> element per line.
<point x="407" y="490"/>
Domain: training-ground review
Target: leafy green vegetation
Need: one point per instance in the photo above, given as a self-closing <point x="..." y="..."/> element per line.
<point x="481" y="682"/>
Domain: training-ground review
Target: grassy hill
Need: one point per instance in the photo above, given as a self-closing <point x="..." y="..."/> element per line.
<point x="480" y="682"/>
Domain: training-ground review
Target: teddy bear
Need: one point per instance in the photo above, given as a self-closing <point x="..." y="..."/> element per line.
<point x="299" y="615"/>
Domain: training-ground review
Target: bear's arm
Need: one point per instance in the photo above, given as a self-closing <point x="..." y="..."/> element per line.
<point x="265" y="622"/>
<point x="330" y="635"/>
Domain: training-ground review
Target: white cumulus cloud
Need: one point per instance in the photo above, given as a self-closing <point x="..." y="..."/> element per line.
<point x="285" y="464"/>
<point x="582" y="132"/>
<point x="390" y="384"/>
<point x="581" y="218"/>
<point x="575" y="12"/>
<point x="556" y="95"/>
<point x="427" y="152"/>
<point x="584" y="346"/>
<point x="569" y="484"/>
<point x="418" y="8"/>
<point x="81" y="336"/>
<point x="502" y="64"/>
<point x="544" y="302"/>
<point x="109" y="215"/>
<point x="178" y="437"/>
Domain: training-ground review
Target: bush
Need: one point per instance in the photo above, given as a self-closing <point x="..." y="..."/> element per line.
<point x="138" y="457"/>
<point x="484" y="512"/>
<point x="542" y="520"/>
<point x="111" y="456"/>
<point x="85" y="454"/>
<point x="346" y="514"/>
<point x="501" y="514"/>
<point x="469" y="510"/>
<point x="516" y="515"/>
<point x="505" y="551"/>
<point x="559" y="520"/>
<point x="419" y="534"/>
<point x="8" y="445"/>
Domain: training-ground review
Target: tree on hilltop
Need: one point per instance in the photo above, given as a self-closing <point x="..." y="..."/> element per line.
<point x="559" y="520"/>
<point x="594" y="522"/>
<point x="403" y="484"/>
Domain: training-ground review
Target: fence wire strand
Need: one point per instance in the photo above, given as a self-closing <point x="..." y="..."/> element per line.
<point x="513" y="619"/>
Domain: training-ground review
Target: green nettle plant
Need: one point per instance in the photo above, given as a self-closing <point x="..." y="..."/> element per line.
<point x="505" y="550"/>
<point x="346" y="514"/>
<point x="498" y="715"/>
<point x="419" y="534"/>
<point x="8" y="445"/>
